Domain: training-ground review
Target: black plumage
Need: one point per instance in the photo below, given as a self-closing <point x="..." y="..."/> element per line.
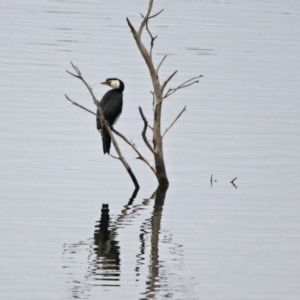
<point x="111" y="105"/>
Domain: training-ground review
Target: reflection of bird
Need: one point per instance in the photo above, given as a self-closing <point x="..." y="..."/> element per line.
<point x="111" y="105"/>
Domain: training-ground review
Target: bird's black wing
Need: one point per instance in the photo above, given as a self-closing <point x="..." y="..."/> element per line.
<point x="111" y="105"/>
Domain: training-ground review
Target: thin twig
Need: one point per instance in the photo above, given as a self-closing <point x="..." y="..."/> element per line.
<point x="172" y="91"/>
<point x="133" y="146"/>
<point x="157" y="69"/>
<point x="96" y="102"/>
<point x="181" y="86"/>
<point x="149" y="32"/>
<point x="79" y="76"/>
<point x="144" y="131"/>
<point x="155" y="15"/>
<point x="152" y="39"/>
<point x="134" y="33"/>
<point x="153" y="99"/>
<point x="76" y="104"/>
<point x="142" y="49"/>
<point x="143" y="23"/>
<point x="167" y="80"/>
<point x="183" y="110"/>
<point x="115" y="157"/>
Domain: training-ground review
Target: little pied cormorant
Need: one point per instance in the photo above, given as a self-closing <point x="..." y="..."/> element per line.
<point x="111" y="105"/>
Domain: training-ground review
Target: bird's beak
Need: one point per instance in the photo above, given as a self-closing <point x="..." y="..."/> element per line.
<point x="106" y="83"/>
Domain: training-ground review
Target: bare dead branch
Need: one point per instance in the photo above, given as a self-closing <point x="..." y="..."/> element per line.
<point x="121" y="157"/>
<point x="145" y="19"/>
<point x="189" y="80"/>
<point x="150" y="127"/>
<point x="133" y="31"/>
<point x="76" y="104"/>
<point x="146" y="57"/>
<point x="72" y="73"/>
<point x="172" y="91"/>
<point x="144" y="131"/>
<point x="152" y="39"/>
<point x="181" y="86"/>
<point x="79" y="76"/>
<point x="103" y="123"/>
<point x="96" y="102"/>
<point x="155" y="15"/>
<point x="157" y="69"/>
<point x="115" y="157"/>
<point x="158" y="94"/>
<point x="149" y="32"/>
<point x="167" y="129"/>
<point x="153" y="98"/>
<point x="140" y="155"/>
<point x="167" y="80"/>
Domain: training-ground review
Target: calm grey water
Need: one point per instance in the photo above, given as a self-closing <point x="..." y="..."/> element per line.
<point x="242" y="120"/>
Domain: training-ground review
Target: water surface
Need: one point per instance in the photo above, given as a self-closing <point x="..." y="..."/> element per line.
<point x="203" y="240"/>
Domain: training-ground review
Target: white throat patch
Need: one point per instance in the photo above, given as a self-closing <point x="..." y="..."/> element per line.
<point x="115" y="84"/>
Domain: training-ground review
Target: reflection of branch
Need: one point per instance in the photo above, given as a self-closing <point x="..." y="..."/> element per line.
<point x="154" y="224"/>
<point x="132" y="196"/>
<point x="183" y="110"/>
<point x="144" y="131"/>
<point x="104" y="124"/>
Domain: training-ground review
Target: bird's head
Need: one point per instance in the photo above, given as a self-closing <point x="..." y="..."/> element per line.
<point x="114" y="83"/>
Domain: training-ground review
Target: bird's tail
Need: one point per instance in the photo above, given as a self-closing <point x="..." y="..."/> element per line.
<point x="106" y="141"/>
